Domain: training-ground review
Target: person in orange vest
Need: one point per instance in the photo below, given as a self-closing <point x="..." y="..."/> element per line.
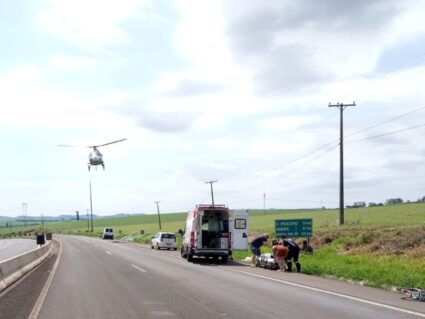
<point x="279" y="254"/>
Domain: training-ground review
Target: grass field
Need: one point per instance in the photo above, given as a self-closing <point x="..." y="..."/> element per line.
<point x="378" y="246"/>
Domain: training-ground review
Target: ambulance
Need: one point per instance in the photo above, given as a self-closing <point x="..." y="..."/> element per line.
<point x="214" y="231"/>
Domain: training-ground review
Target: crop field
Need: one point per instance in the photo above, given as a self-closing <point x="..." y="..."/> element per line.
<point x="378" y="246"/>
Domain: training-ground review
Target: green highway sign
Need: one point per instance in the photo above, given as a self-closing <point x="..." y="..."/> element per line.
<point x="294" y="227"/>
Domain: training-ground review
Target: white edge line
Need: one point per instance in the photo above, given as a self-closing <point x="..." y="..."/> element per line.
<point x="138" y="268"/>
<point x="419" y="314"/>
<point x="411" y="312"/>
<point x="108" y="252"/>
<point x="39" y="303"/>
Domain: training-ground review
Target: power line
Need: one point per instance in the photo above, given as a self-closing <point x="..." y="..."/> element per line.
<point x="381" y="75"/>
<point x="333" y="145"/>
<point x="388" y="74"/>
<point x="388" y="133"/>
<point x="290" y="162"/>
<point x="300" y="201"/>
<point x="246" y="201"/>
<point x="386" y="121"/>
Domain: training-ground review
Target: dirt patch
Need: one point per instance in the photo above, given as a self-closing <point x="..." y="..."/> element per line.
<point x="377" y="241"/>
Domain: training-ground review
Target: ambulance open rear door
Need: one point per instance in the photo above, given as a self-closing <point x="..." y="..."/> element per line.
<point x="239" y="229"/>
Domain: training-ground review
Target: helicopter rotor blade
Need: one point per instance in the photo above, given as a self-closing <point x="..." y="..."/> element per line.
<point x="109" y="143"/>
<point x="68" y="145"/>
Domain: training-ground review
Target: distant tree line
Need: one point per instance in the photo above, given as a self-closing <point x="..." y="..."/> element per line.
<point x="357" y="205"/>
<point x="390" y="201"/>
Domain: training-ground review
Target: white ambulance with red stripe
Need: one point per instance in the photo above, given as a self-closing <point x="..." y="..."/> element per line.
<point x="213" y="231"/>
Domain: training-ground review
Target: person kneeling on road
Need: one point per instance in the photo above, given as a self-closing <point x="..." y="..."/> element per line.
<point x="256" y="248"/>
<point x="279" y="254"/>
<point x="293" y="253"/>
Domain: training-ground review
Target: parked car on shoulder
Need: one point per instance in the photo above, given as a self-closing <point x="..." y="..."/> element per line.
<point x="164" y="240"/>
<point x="108" y="233"/>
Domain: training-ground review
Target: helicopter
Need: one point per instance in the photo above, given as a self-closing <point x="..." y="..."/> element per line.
<point x="95" y="157"/>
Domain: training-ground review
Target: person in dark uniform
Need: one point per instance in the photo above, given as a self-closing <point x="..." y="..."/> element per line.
<point x="293" y="253"/>
<point x="255" y="247"/>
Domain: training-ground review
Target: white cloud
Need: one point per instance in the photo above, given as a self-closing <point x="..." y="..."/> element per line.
<point x="92" y="25"/>
<point x="221" y="114"/>
<point x="284" y="123"/>
<point x="74" y="62"/>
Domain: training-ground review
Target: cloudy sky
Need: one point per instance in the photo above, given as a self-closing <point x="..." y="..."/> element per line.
<point x="233" y="91"/>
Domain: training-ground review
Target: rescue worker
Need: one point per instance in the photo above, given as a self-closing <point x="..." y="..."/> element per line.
<point x="256" y="247"/>
<point x="293" y="253"/>
<point x="279" y="254"/>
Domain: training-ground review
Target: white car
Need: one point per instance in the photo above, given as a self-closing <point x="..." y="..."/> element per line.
<point x="164" y="240"/>
<point x="108" y="233"/>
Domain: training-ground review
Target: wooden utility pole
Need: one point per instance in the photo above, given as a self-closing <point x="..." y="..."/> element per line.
<point x="159" y="216"/>
<point x="341" y="108"/>
<point x="212" y="193"/>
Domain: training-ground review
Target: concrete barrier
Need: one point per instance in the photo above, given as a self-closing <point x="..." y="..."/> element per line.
<point x="15" y="268"/>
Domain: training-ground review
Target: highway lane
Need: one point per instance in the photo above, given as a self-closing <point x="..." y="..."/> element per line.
<point x="13" y="247"/>
<point x="103" y="279"/>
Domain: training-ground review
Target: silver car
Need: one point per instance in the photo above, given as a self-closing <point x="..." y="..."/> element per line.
<point x="164" y="240"/>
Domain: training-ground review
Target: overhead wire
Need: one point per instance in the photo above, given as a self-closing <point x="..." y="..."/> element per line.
<point x="418" y="59"/>
<point x="301" y="201"/>
<point x="384" y="122"/>
<point x="388" y="133"/>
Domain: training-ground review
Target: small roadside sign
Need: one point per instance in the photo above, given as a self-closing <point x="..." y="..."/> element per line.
<point x="294" y="227"/>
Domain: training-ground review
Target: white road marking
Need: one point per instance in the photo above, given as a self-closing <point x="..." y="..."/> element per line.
<point x="108" y="252"/>
<point x="39" y="303"/>
<point x="410" y="312"/>
<point x="377" y="304"/>
<point x="138" y="268"/>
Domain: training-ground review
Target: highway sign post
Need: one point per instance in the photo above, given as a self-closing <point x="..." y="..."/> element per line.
<point x="294" y="227"/>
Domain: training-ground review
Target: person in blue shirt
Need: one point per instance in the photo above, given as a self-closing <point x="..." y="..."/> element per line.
<point x="256" y="247"/>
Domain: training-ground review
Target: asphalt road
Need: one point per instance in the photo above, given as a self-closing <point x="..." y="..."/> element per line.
<point x="105" y="279"/>
<point x="13" y="247"/>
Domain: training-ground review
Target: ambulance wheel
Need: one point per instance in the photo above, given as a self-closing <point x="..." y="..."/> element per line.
<point x="224" y="259"/>
<point x="189" y="257"/>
